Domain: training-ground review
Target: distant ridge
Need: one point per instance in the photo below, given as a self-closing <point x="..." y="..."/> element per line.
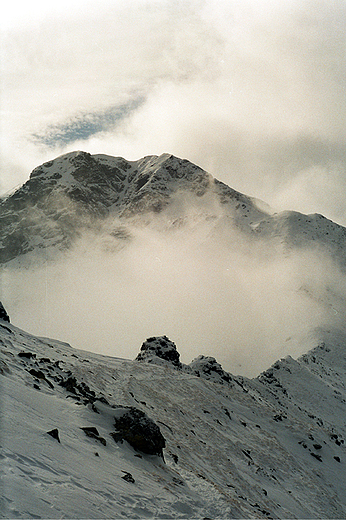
<point x="79" y="192"/>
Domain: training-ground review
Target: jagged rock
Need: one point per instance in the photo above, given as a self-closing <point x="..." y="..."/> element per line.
<point x="159" y="348"/>
<point x="91" y="431"/>
<point x="141" y="432"/>
<point x="40" y="375"/>
<point x="318" y="457"/>
<point x="3" y="314"/>
<point x="80" y="389"/>
<point x="55" y="434"/>
<point x="27" y="355"/>
<point x="208" y="368"/>
<point x="128" y="477"/>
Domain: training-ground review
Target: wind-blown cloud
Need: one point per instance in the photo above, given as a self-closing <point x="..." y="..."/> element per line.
<point x="253" y="92"/>
<point x="84" y="126"/>
<point x="221" y="295"/>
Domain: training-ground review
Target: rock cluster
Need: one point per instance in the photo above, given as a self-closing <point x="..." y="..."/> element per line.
<point x="208" y="368"/>
<point x="159" y="348"/>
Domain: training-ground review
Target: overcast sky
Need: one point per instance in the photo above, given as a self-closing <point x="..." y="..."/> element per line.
<point x="252" y="90"/>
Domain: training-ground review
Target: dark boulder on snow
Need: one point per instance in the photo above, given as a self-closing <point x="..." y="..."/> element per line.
<point x="3" y="314"/>
<point x="159" y="348"/>
<point x="141" y="432"/>
<point x="208" y="368"/>
<point x="91" y="431"/>
<point x="27" y="355"/>
<point x="54" y="433"/>
<point x="128" y="477"/>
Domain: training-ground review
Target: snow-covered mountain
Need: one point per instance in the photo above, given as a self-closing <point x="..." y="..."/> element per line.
<point x="86" y="435"/>
<point x="78" y="193"/>
<point x="90" y="436"/>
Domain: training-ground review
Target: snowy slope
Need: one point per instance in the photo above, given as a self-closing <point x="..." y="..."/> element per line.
<point x="270" y="447"/>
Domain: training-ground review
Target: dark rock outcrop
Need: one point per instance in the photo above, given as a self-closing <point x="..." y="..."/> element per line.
<point x="91" y="431"/>
<point x="141" y="432"/>
<point x="208" y="368"/>
<point x="3" y="314"/>
<point x="128" y="477"/>
<point x="54" y="433"/>
<point x="157" y="348"/>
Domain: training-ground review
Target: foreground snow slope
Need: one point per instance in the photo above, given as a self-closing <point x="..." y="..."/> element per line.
<point x="271" y="447"/>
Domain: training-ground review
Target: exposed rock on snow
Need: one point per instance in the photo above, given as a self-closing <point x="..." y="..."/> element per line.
<point x="227" y="453"/>
<point x="3" y="314"/>
<point x="91" y="431"/>
<point x="128" y="477"/>
<point x="208" y="368"/>
<point x="135" y="427"/>
<point x="54" y="433"/>
<point x="159" y="348"/>
<point x="269" y="447"/>
<point x="80" y="193"/>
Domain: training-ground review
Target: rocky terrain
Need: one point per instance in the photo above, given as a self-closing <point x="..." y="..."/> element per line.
<point x="90" y="435"/>
<point x="85" y="435"/>
<point x="79" y="193"/>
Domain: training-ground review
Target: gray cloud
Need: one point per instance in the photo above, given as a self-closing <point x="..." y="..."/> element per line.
<point x="84" y="126"/>
<point x="60" y="73"/>
<point x="253" y="92"/>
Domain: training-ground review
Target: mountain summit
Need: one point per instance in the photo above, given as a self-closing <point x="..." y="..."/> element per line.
<point x="135" y="249"/>
<point x="79" y="192"/>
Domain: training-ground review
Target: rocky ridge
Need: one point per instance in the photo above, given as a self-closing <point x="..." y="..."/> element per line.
<point x="79" y="192"/>
<point x="95" y="428"/>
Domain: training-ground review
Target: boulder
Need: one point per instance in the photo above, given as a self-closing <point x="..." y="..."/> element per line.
<point x="3" y="314"/>
<point x="128" y="477"/>
<point x="208" y="368"/>
<point x="91" y="431"/>
<point x="54" y="433"/>
<point x="141" y="432"/>
<point x="159" y="348"/>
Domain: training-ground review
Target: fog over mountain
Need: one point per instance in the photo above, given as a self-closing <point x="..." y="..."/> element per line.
<point x="172" y="331"/>
<point x="254" y="92"/>
<point x="103" y="252"/>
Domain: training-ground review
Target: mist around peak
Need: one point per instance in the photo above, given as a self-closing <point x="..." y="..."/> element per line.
<point x="206" y="285"/>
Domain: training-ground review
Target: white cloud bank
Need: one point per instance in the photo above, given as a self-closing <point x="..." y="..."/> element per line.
<point x="254" y="92"/>
<point x="237" y="301"/>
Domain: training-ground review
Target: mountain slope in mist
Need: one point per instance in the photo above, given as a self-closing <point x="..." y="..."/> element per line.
<point x="158" y="246"/>
<point x="78" y="193"/>
<point x="269" y="447"/>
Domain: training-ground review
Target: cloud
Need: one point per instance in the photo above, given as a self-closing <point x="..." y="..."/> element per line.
<point x="83" y="126"/>
<point x="203" y="284"/>
<point x="254" y="92"/>
<point x="79" y="64"/>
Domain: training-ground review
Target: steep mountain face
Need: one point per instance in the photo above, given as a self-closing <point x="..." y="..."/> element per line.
<point x="79" y="192"/>
<point x="89" y="436"/>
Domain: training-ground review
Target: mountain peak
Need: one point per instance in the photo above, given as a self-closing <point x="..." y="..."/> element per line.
<point x="71" y="193"/>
